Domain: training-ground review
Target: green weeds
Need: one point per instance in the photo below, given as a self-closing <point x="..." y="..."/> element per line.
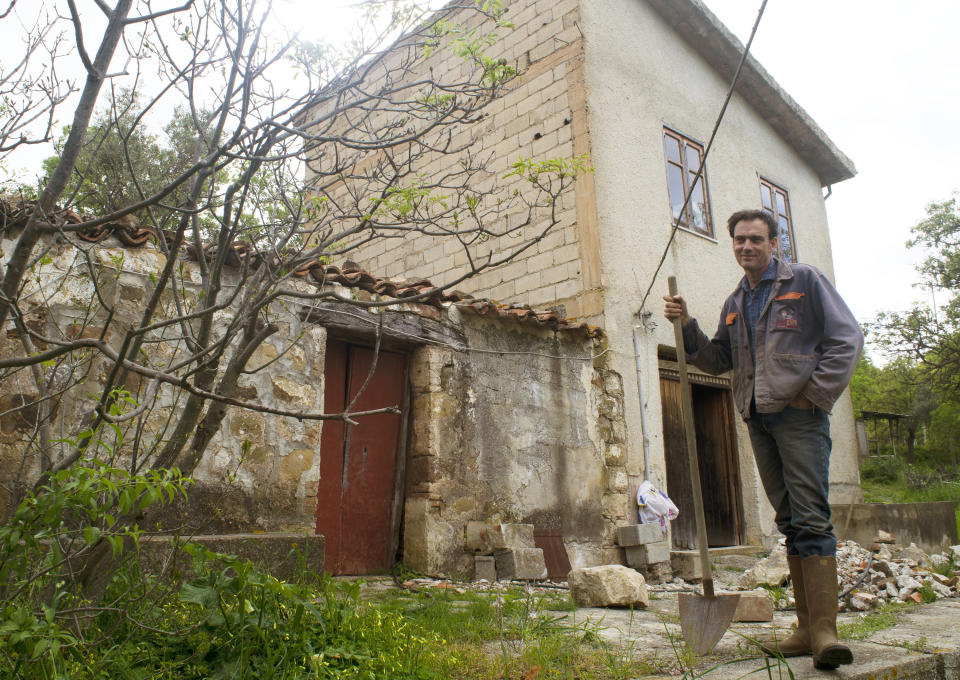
<point x="884" y="617"/>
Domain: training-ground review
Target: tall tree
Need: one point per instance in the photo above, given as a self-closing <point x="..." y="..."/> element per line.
<point x="927" y="333"/>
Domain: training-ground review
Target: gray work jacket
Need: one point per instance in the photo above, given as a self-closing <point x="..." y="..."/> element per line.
<point x="807" y="342"/>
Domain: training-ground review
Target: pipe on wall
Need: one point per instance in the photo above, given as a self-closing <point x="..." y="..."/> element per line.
<point x="643" y="408"/>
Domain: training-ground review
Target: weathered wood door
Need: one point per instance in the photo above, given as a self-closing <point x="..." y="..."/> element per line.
<point x="717" y="455"/>
<point x="358" y="463"/>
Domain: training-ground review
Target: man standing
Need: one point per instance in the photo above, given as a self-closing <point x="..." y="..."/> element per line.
<point x="793" y="345"/>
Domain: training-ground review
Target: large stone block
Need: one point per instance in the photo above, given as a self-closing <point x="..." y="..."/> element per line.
<point x="430" y="545"/>
<point x="489" y="538"/>
<point x="476" y="533"/>
<point x="639" y="534"/>
<point x="484" y="568"/>
<point x="524" y="564"/>
<point x="770" y="571"/>
<point x="754" y="606"/>
<point x="610" y="585"/>
<point x="651" y="553"/>
<point x="512" y="536"/>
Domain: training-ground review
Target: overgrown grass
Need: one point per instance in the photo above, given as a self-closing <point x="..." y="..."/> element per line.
<point x="514" y="633"/>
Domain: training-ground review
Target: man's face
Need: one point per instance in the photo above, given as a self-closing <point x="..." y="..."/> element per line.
<point x="752" y="246"/>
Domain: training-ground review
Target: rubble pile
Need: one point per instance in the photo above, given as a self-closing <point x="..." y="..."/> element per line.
<point x="892" y="573"/>
<point x="868" y="579"/>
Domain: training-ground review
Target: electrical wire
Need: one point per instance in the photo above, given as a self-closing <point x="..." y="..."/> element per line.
<point x="706" y="152"/>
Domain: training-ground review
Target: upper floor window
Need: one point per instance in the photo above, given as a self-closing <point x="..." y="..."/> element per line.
<point x="774" y="200"/>
<point x="684" y="157"/>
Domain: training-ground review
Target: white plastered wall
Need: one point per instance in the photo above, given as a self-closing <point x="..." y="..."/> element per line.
<point x="641" y="76"/>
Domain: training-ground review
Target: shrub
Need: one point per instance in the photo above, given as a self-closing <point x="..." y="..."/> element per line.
<point x="883" y="470"/>
<point x="226" y="619"/>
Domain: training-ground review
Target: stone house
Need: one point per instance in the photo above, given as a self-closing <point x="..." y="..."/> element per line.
<point x="509" y="415"/>
<point x="504" y="413"/>
<point x="636" y="85"/>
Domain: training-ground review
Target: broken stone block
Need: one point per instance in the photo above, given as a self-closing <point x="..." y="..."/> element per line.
<point x="610" y="585"/>
<point x="943" y="580"/>
<point x="639" y="534"/>
<point x="771" y="571"/>
<point x="651" y="553"/>
<point x="954" y="551"/>
<point x="484" y="568"/>
<point x="476" y="532"/>
<point x="912" y="555"/>
<point x="754" y="606"/>
<point x="509" y="536"/>
<point x="940" y="589"/>
<point x="883" y="551"/>
<point x="906" y="581"/>
<point x="884" y="567"/>
<point x="686" y="564"/>
<point x="487" y="539"/>
<point x="525" y="564"/>
<point x="883" y="537"/>
<point x="863" y="601"/>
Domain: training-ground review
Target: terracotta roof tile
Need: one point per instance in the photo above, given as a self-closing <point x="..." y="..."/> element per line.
<point x="14" y="214"/>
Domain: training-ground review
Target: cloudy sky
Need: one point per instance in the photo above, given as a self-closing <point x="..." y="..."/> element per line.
<point x="880" y="77"/>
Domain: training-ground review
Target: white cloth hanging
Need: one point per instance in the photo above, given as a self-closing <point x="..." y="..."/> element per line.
<point x="655" y="506"/>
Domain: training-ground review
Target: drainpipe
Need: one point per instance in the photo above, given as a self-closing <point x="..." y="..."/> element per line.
<point x="643" y="410"/>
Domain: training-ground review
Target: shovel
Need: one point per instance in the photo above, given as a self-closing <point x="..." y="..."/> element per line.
<point x="703" y="618"/>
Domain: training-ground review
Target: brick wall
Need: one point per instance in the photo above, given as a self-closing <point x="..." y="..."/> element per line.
<point x="541" y="115"/>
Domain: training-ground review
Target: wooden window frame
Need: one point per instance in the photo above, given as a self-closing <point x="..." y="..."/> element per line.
<point x="687" y="175"/>
<point x="786" y="215"/>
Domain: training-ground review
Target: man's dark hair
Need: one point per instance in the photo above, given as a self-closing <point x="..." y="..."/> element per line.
<point x="750" y="216"/>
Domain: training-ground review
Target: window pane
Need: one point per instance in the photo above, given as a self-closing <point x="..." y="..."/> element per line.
<point x="786" y="243"/>
<point x="765" y="197"/>
<point x="675" y="184"/>
<point x="672" y="148"/>
<point x="698" y="209"/>
<point x="781" y="203"/>
<point x="693" y="158"/>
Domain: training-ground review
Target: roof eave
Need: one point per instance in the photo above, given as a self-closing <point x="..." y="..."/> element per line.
<point x="701" y="29"/>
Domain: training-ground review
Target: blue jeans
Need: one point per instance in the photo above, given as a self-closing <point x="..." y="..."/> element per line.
<point x="792" y="449"/>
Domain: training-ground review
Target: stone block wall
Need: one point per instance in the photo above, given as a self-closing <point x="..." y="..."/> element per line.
<point x="259" y="473"/>
<point x="541" y="115"/>
<point x="510" y="432"/>
<point x="516" y="424"/>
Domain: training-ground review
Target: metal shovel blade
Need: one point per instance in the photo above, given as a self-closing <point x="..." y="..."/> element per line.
<point x="703" y="620"/>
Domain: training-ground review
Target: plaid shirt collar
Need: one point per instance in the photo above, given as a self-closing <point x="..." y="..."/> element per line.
<point x="769" y="275"/>
<point x="754" y="300"/>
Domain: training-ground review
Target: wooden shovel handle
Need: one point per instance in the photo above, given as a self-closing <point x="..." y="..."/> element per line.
<point x="686" y="411"/>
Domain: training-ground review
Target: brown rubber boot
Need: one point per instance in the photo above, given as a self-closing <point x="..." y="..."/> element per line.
<point x="798" y="644"/>
<point x="820" y="584"/>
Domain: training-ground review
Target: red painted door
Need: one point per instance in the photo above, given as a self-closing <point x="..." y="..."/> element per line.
<point x="358" y="463"/>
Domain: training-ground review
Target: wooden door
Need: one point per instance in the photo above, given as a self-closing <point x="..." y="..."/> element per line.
<point x="717" y="455"/>
<point x="358" y="463"/>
